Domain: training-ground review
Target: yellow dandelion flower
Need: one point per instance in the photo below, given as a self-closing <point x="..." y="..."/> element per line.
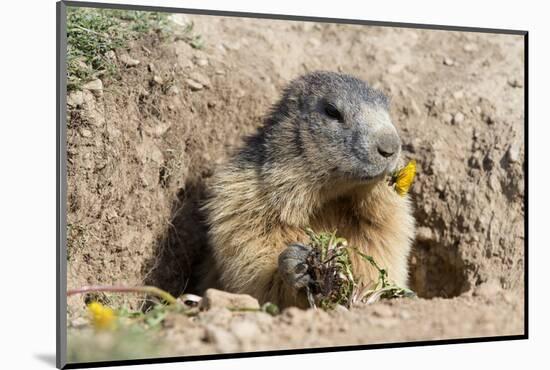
<point x="102" y="317"/>
<point x="404" y="177"/>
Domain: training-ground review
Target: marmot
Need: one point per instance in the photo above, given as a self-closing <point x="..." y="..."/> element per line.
<point x="321" y="160"/>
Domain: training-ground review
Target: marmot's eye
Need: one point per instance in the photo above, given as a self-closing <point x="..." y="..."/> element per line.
<point x="332" y="112"/>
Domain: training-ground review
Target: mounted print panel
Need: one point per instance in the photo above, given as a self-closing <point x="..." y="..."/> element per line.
<point x="249" y="184"/>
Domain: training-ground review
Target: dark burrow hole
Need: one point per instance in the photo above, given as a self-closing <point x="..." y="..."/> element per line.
<point x="436" y="270"/>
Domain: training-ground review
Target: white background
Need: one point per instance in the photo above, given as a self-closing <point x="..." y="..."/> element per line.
<point x="27" y="182"/>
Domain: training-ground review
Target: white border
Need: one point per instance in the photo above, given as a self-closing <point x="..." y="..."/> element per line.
<point x="27" y="86"/>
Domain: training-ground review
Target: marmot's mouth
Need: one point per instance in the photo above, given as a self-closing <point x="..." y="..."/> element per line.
<point x="372" y="178"/>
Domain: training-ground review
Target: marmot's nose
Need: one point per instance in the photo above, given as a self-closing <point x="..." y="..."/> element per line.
<point x="388" y="144"/>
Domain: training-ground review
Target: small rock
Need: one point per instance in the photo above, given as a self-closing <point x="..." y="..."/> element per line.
<point x="79" y="322"/>
<point x="513" y="153"/>
<point x="128" y="61"/>
<point x="218" y="298"/>
<point x="220" y="72"/>
<point x="158" y="80"/>
<point x="200" y="78"/>
<point x="95" y="86"/>
<point x="470" y="47"/>
<point x="458" y="118"/>
<point x="173" y="90"/>
<point x="151" y="67"/>
<point x="92" y="111"/>
<point x="113" y="132"/>
<point x="110" y="55"/>
<point x="156" y="155"/>
<point x="448" y="61"/>
<point x="146" y="50"/>
<point x="424" y="234"/>
<point x="494" y="184"/>
<point x="84" y="132"/>
<point x="201" y="62"/>
<point x="193" y="85"/>
<point x="75" y="99"/>
<point x="440" y="185"/>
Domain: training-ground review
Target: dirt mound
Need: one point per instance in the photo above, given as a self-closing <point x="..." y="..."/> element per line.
<point x="141" y="149"/>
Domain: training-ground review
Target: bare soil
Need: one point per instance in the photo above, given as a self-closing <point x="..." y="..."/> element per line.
<point x="142" y="149"/>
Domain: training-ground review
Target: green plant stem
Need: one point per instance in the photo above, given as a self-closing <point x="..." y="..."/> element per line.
<point x="124" y="289"/>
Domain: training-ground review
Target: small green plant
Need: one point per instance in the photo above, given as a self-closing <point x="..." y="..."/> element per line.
<point x="330" y="267"/>
<point x="94" y="33"/>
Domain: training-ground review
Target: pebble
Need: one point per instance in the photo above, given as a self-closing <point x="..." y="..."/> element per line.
<point x="75" y="99"/>
<point x="95" y="86"/>
<point x="84" y="132"/>
<point x="217" y="298"/>
<point x="200" y="78"/>
<point x="128" y="61"/>
<point x="146" y="50"/>
<point x="448" y="62"/>
<point x="202" y="62"/>
<point x="110" y="55"/>
<point x="193" y="85"/>
<point x="158" y="80"/>
<point x="513" y="153"/>
<point x="79" y="322"/>
<point x="494" y="184"/>
<point x="424" y="234"/>
<point x="458" y="118"/>
<point x="173" y="90"/>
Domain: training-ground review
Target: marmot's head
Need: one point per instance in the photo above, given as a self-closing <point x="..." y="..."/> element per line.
<point x="336" y="124"/>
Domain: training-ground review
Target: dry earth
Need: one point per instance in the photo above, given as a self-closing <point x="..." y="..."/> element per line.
<point x="141" y="150"/>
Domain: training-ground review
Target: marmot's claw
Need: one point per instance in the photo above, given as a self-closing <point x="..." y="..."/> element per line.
<point x="293" y="266"/>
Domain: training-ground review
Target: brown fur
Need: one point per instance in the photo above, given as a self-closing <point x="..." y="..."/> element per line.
<point x="256" y="210"/>
<point x="251" y="224"/>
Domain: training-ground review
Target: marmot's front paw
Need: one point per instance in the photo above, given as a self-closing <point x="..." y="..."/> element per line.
<point x="293" y="266"/>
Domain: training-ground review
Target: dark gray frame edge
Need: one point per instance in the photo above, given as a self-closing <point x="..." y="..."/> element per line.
<point x="61" y="190"/>
<point x="61" y="186"/>
<point x="287" y="17"/>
